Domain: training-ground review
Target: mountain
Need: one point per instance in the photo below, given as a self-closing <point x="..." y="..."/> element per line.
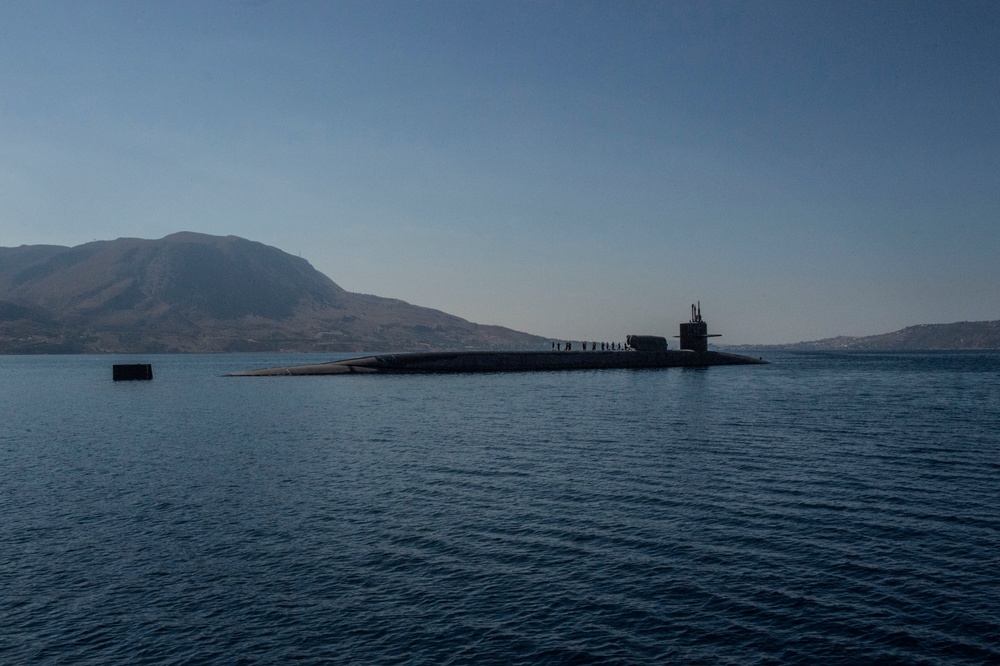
<point x="959" y="335"/>
<point x="193" y="292"/>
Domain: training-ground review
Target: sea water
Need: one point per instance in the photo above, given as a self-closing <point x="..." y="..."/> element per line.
<point x="827" y="508"/>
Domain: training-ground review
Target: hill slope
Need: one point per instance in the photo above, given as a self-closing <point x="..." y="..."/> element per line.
<point x="193" y="292"/>
<point x="959" y="335"/>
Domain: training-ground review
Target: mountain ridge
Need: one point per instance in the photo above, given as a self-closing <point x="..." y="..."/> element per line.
<point x="953" y="336"/>
<point x="193" y="292"/>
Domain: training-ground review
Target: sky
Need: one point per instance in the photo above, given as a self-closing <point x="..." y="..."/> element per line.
<point x="578" y="170"/>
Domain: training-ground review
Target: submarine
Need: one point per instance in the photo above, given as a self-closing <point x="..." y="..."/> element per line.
<point x="640" y="352"/>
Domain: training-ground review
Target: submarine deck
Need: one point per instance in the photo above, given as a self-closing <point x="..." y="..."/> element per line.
<point x="507" y="361"/>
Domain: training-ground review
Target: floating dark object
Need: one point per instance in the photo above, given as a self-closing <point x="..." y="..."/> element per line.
<point x="512" y="361"/>
<point x="643" y="351"/>
<point x="132" y="372"/>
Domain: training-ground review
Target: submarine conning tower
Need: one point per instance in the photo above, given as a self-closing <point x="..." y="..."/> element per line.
<point x="694" y="334"/>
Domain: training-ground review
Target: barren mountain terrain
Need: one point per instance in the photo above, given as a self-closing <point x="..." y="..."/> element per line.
<point x="193" y="292"/>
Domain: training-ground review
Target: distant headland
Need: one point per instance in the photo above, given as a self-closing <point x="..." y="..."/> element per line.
<point x="957" y="336"/>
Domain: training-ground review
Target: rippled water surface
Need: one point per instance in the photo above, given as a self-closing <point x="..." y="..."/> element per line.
<point x="827" y="508"/>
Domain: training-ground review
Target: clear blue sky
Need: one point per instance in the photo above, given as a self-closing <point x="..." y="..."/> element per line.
<point x="571" y="169"/>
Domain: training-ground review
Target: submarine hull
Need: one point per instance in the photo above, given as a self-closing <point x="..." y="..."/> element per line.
<point x="507" y="361"/>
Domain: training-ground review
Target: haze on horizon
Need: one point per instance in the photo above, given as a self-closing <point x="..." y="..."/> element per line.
<point x="576" y="170"/>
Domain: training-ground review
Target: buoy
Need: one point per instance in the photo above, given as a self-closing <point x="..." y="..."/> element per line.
<point x="132" y="372"/>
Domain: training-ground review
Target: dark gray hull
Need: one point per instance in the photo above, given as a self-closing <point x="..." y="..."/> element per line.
<point x="508" y="361"/>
